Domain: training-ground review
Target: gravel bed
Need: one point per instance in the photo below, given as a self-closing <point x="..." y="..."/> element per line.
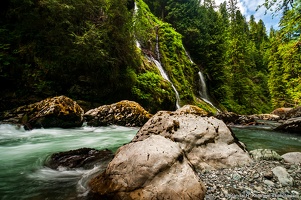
<point x="255" y="181"/>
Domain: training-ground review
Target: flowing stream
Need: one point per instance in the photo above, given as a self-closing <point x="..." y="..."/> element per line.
<point x="23" y="153"/>
<point x="263" y="137"/>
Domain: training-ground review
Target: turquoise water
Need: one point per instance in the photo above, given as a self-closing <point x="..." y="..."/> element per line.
<point x="263" y="137"/>
<point x="23" y="176"/>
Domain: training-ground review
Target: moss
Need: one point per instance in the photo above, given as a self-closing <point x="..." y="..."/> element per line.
<point x="151" y="90"/>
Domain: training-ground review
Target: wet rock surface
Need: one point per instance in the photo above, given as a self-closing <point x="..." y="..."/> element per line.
<point x="292" y="125"/>
<point x="253" y="181"/>
<point x="80" y="158"/>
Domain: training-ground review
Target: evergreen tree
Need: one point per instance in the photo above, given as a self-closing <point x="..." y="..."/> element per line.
<point x="285" y="56"/>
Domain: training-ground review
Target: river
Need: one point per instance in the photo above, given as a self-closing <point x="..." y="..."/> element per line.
<point x="23" y="175"/>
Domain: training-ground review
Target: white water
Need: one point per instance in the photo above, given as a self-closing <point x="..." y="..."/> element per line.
<point x="163" y="73"/>
<point x="136" y="9"/>
<point x="204" y="92"/>
<point x="187" y="54"/>
<point x="23" y="153"/>
<point x="165" y="76"/>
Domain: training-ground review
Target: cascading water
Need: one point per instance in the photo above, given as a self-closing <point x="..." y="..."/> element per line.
<point x="163" y="73"/>
<point x="157" y="62"/>
<point x="203" y="91"/>
<point x="165" y="76"/>
<point x="134" y="23"/>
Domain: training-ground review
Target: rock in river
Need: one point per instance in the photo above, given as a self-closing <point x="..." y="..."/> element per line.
<point x="80" y="158"/>
<point x="123" y="113"/>
<point x="292" y="125"/>
<point x="59" y="111"/>
<point x="155" y="168"/>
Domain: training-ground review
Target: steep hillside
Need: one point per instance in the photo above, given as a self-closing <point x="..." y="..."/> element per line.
<point x="159" y="43"/>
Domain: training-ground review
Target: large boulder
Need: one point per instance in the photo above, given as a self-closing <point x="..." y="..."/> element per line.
<point x="59" y="111"/>
<point x="155" y="168"/>
<point x="207" y="142"/>
<point x="123" y="113"/>
<point x="281" y="112"/>
<point x="294" y="113"/>
<point x="292" y="157"/>
<point x="292" y="125"/>
<point x="85" y="158"/>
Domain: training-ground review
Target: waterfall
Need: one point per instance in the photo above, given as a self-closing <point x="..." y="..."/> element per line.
<point x="165" y="76"/>
<point x="203" y="91"/>
<point x="134" y="23"/>
<point x="187" y="54"/>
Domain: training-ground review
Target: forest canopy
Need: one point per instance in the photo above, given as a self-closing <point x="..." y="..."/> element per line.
<point x="86" y="49"/>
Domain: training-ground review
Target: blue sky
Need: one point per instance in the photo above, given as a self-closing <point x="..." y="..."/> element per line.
<point x="248" y="7"/>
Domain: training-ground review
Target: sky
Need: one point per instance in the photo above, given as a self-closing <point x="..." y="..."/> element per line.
<point x="248" y="8"/>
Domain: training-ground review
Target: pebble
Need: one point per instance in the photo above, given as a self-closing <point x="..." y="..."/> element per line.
<point x="254" y="181"/>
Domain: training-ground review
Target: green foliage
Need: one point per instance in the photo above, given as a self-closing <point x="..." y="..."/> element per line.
<point x="153" y="92"/>
<point x="173" y="58"/>
<point x="284" y="57"/>
<point x="86" y="49"/>
<point x="80" y="48"/>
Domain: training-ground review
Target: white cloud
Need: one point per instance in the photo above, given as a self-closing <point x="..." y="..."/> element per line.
<point x="249" y="7"/>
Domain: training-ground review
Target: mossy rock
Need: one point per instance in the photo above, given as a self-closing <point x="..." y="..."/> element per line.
<point x="59" y="111"/>
<point x="123" y="113"/>
<point x="265" y="154"/>
<point x="191" y="109"/>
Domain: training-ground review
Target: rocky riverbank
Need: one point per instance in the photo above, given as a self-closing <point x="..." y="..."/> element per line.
<point x="253" y="181"/>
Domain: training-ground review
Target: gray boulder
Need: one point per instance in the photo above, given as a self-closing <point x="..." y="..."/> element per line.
<point x="283" y="176"/>
<point x="293" y="113"/>
<point x="207" y="142"/>
<point x="233" y="118"/>
<point x="292" y="157"/>
<point x="155" y="168"/>
<point x="123" y="113"/>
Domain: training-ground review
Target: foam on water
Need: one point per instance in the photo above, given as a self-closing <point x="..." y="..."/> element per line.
<point x="23" y="154"/>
